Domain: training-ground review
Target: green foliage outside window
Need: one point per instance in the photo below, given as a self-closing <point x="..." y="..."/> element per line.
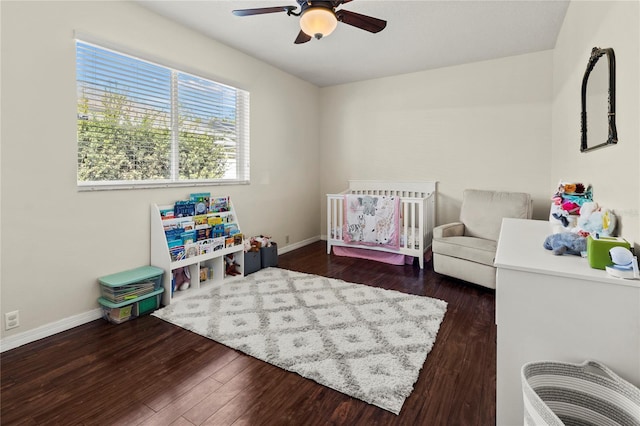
<point x="122" y="144"/>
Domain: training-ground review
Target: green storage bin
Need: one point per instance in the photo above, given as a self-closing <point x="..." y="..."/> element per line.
<point x="129" y="294"/>
<point x="148" y="304"/>
<point x="124" y="311"/>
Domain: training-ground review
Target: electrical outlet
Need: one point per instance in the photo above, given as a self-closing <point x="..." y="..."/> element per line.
<point x="286" y="239"/>
<point x="11" y="320"/>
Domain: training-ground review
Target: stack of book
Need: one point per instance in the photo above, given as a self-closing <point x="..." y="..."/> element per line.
<point x="127" y="292"/>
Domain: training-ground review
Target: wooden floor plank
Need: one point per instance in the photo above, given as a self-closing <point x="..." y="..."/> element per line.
<point x="151" y="371"/>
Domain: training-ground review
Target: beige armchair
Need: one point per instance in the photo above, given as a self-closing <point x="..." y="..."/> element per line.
<point x="467" y="249"/>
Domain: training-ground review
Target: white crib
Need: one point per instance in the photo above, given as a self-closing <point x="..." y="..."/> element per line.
<point x="417" y="210"/>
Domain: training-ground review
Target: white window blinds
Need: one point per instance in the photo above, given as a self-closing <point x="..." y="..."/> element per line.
<point x="142" y="124"/>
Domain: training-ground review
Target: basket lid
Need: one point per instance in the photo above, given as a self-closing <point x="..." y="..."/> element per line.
<point x="131" y="276"/>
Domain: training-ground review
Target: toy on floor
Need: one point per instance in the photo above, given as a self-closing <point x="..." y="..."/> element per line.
<point x="566" y="243"/>
<point x="232" y="265"/>
<point x="181" y="279"/>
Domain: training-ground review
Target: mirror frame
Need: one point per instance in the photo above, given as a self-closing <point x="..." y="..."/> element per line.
<point x="612" y="139"/>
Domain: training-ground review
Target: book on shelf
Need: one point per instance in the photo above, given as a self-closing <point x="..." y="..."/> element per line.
<point x="214" y="220"/>
<point x="184" y="209"/>
<point x="192" y="249"/>
<point x="200" y="220"/>
<point x="187" y="225"/>
<point x="217" y="230"/>
<point x="217" y="243"/>
<point x="170" y="224"/>
<point x="219" y="204"/>
<point x="206" y="246"/>
<point x="201" y="202"/>
<point x="203" y="233"/>
<point x="177" y="253"/>
<point x="166" y="212"/>
<point x="188" y="237"/>
<point x="230" y="229"/>
<point x="173" y="234"/>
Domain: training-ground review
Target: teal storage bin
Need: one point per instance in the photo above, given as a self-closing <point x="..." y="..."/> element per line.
<point x="129" y="294"/>
<point x="124" y="311"/>
<point x="132" y="276"/>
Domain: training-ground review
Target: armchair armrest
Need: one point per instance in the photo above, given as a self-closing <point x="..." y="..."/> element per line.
<point x="454" y="229"/>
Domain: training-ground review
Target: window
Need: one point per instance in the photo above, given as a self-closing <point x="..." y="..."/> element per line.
<point x="143" y="125"/>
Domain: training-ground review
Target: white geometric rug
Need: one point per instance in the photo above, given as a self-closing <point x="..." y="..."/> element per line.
<point x="367" y="342"/>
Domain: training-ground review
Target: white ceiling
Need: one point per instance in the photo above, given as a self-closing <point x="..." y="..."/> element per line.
<point x="420" y="34"/>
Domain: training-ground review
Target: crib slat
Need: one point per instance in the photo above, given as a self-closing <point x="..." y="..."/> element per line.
<point x="405" y="224"/>
<point x="340" y="222"/>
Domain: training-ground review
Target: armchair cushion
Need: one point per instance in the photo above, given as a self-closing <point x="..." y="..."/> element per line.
<point x="482" y="211"/>
<point x="473" y="249"/>
<point x="454" y="229"/>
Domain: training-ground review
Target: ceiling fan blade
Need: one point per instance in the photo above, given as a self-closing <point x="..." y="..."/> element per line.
<point x="261" y="10"/>
<point x="337" y="3"/>
<point x="364" y="22"/>
<point x="302" y="38"/>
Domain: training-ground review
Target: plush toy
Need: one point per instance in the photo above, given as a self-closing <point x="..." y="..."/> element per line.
<point x="181" y="279"/>
<point x="561" y="220"/>
<point x="566" y="243"/>
<point x="232" y="265"/>
<point x="261" y="241"/>
<point x="595" y="220"/>
<point x="566" y="205"/>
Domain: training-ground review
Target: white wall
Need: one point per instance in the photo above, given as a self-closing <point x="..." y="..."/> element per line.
<point x="55" y="240"/>
<point x="509" y="124"/>
<point x="485" y="125"/>
<point x="613" y="171"/>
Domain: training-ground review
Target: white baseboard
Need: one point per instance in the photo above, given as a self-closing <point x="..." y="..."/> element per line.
<point x="50" y="329"/>
<point x="299" y="244"/>
<point x="47" y="330"/>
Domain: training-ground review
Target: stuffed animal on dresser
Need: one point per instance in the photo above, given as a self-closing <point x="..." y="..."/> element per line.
<point x="566" y="243"/>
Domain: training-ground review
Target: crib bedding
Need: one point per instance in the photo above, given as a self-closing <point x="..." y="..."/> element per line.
<point x="372" y="220"/>
<point x="370" y="217"/>
<point x="413" y="236"/>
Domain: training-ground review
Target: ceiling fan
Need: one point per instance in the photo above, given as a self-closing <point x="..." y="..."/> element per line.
<point x="319" y="18"/>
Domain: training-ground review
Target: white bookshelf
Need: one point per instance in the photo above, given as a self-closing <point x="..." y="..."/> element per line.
<point x="215" y="261"/>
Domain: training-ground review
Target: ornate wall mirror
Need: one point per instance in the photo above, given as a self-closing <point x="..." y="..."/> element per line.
<point x="599" y="100"/>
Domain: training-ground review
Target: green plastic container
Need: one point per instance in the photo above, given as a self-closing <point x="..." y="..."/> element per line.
<point x="129" y="294"/>
<point x="124" y="311"/>
<point x="133" y="276"/>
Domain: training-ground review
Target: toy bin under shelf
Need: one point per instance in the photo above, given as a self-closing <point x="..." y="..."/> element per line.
<point x="269" y="256"/>
<point x="130" y="294"/>
<point x="251" y="262"/>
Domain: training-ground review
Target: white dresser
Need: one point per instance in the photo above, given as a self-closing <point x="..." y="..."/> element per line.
<point x="557" y="308"/>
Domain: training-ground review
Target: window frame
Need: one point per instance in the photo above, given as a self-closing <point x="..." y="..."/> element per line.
<point x="242" y="114"/>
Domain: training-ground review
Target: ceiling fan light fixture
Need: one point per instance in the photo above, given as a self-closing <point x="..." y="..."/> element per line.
<point x="318" y="22"/>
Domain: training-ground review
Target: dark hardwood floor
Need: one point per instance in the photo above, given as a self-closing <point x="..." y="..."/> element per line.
<point x="148" y="371"/>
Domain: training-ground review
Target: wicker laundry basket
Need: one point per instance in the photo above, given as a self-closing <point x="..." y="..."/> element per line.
<point x="558" y="393"/>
